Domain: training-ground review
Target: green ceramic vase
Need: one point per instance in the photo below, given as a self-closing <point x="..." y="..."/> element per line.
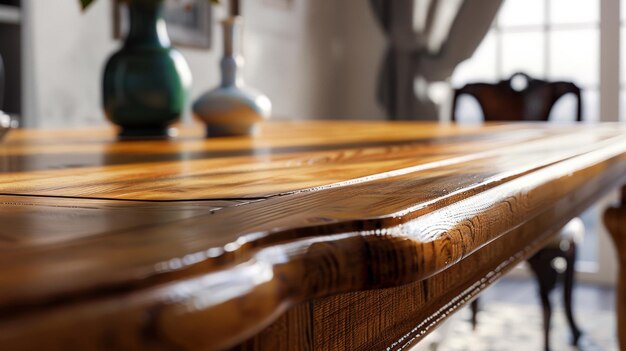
<point x="146" y="82"/>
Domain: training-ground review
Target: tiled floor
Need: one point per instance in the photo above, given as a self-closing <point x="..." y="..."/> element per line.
<point x="524" y="291"/>
<point x="511" y="320"/>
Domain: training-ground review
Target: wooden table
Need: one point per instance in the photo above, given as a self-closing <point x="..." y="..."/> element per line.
<point x="313" y="235"/>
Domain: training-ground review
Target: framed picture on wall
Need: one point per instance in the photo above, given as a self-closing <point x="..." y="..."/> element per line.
<point x="188" y="22"/>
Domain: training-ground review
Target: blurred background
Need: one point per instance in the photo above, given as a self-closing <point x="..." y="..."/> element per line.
<point x="348" y="59"/>
<point x="328" y="55"/>
<point x="313" y="58"/>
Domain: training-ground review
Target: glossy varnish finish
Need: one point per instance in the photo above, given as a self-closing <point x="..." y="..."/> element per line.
<point x="615" y="221"/>
<point x="313" y="235"/>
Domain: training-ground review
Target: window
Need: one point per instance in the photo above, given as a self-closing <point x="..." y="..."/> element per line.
<point x="547" y="39"/>
<point x="552" y="40"/>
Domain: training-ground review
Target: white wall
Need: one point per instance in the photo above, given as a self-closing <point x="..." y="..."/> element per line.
<point x="294" y="55"/>
<point x="68" y="50"/>
<point x="364" y="49"/>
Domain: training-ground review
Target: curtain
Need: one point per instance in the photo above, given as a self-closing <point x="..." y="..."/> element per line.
<point x="427" y="39"/>
<point x="1" y="82"/>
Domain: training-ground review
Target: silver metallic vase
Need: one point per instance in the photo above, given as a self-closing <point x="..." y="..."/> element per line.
<point x="232" y="108"/>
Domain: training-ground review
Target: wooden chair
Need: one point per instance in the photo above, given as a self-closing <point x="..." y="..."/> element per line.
<point x="5" y="120"/>
<point x="503" y="102"/>
<point x="533" y="101"/>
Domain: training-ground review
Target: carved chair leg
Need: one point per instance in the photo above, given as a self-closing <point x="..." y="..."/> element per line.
<point x="474" y="307"/>
<point x="568" y="287"/>
<point x="541" y="265"/>
<point x="615" y="221"/>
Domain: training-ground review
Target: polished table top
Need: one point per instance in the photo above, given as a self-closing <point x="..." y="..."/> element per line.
<point x="207" y="242"/>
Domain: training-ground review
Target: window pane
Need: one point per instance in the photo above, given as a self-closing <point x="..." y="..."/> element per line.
<point x="523" y="52"/>
<point x="564" y="110"/>
<point x="468" y="110"/>
<point x="574" y="56"/>
<point x="522" y="13"/>
<point x="481" y="67"/>
<point x="574" y="11"/>
<point x="623" y="53"/>
<point x="622" y="105"/>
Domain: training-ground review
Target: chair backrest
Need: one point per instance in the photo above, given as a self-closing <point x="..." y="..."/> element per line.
<point x="504" y="101"/>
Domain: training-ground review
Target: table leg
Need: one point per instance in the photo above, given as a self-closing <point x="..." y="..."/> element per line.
<point x="615" y="221"/>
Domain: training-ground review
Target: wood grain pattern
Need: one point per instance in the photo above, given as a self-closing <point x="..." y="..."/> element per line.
<point x="615" y="221"/>
<point x="194" y="168"/>
<point x="204" y="244"/>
